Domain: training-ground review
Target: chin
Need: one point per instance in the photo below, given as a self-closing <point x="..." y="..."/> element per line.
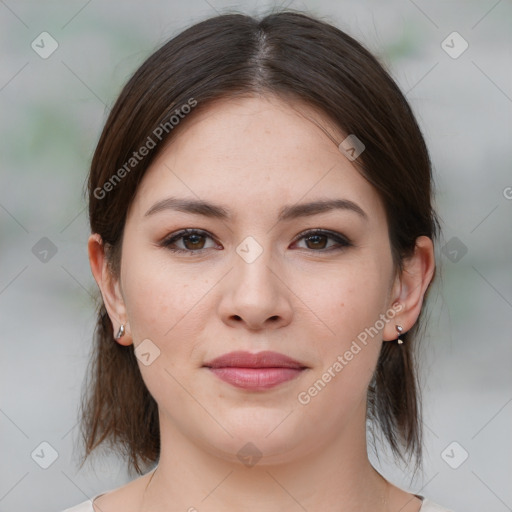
<point x="270" y="437"/>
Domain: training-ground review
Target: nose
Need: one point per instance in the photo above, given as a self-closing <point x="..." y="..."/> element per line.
<point x="256" y="295"/>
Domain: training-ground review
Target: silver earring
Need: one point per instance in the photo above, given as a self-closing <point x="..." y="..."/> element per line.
<point x="399" y="329"/>
<point x="120" y="333"/>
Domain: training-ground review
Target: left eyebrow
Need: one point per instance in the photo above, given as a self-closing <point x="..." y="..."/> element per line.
<point x="290" y="212"/>
<point x="308" y="209"/>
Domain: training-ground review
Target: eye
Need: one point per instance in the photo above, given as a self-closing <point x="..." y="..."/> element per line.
<point x="317" y="240"/>
<point x="193" y="240"/>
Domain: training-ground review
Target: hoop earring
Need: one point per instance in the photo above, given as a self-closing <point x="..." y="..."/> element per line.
<point x="120" y="333"/>
<point x="399" y="329"/>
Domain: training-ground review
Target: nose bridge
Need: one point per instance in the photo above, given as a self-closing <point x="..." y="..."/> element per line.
<point x="253" y="266"/>
<point x="254" y="292"/>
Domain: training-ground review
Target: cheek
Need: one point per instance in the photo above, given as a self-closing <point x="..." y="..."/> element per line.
<point x="159" y="299"/>
<point x="350" y="299"/>
<point x="167" y="307"/>
<point x="350" y="302"/>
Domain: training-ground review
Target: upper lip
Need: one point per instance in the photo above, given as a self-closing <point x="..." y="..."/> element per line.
<point x="266" y="359"/>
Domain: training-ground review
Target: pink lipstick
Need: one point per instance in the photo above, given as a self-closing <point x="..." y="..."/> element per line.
<point x="259" y="371"/>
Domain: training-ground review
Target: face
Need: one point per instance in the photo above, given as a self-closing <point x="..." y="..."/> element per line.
<point x="257" y="272"/>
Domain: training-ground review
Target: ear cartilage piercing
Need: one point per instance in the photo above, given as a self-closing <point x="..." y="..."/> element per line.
<point x="399" y="329"/>
<point x="120" y="333"/>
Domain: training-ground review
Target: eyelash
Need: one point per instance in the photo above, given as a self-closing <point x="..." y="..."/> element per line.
<point x="342" y="241"/>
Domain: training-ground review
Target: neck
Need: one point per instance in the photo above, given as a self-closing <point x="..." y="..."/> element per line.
<point x="336" y="476"/>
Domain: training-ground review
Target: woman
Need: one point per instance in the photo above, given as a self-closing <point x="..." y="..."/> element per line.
<point x="262" y="236"/>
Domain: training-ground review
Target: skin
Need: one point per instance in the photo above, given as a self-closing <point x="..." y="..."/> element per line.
<point x="255" y="155"/>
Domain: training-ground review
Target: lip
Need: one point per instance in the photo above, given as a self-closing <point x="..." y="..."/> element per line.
<point x="255" y="371"/>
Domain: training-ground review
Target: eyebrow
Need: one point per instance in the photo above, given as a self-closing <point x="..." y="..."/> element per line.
<point x="290" y="212"/>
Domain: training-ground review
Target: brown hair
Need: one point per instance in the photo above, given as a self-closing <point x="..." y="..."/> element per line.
<point x="295" y="57"/>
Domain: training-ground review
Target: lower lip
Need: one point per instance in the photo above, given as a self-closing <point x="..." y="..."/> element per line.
<point x="256" y="378"/>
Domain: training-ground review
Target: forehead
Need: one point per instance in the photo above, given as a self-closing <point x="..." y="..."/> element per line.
<point x="259" y="128"/>
<point x="255" y="151"/>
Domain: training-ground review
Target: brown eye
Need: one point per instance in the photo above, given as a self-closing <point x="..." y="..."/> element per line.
<point x="192" y="240"/>
<point x="318" y="240"/>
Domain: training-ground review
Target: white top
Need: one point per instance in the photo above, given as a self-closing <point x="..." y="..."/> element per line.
<point x="428" y="506"/>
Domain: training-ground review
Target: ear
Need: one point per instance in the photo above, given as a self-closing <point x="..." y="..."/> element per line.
<point x="410" y="286"/>
<point x="109" y="287"/>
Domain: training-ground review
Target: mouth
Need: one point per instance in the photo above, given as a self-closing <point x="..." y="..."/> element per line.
<point x="260" y="371"/>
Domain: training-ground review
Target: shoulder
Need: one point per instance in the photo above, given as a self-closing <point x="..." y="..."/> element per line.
<point x="430" y="506"/>
<point x="126" y="498"/>
<point x="86" y="506"/>
<point x="110" y="498"/>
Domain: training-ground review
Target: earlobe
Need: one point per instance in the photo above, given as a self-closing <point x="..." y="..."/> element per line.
<point x="411" y="286"/>
<point x="109" y="287"/>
